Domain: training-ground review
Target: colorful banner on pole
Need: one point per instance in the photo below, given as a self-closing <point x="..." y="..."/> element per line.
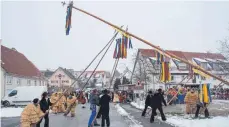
<point x="68" y="19"/>
<point x="165" y="72"/>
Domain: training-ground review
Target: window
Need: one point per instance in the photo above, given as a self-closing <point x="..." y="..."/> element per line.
<point x="35" y="82"/>
<point x="9" y="80"/>
<point x="28" y="82"/>
<point x="172" y="77"/>
<point x="19" y="82"/>
<point x="203" y="78"/>
<point x="65" y="81"/>
<point x="13" y="93"/>
<point x="54" y="81"/>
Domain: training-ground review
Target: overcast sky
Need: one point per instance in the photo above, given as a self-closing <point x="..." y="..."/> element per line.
<point x="37" y="29"/>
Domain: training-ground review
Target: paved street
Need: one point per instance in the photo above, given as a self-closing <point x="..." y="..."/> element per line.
<point x="81" y="119"/>
<point x="144" y="120"/>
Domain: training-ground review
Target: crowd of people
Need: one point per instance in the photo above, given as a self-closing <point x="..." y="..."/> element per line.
<point x="66" y="102"/>
<point x="220" y="93"/>
<point x="192" y="100"/>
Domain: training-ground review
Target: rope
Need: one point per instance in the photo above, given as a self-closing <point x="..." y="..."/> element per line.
<point x="110" y="42"/>
<point x="114" y="70"/>
<point x="99" y="61"/>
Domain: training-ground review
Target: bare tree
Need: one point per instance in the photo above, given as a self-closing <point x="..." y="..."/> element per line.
<point x="142" y="70"/>
<point x="224" y="48"/>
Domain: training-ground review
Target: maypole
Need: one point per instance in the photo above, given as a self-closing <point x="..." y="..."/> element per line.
<point x="158" y="49"/>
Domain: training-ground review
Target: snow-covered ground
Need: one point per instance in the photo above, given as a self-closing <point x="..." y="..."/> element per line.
<point x="138" y="105"/>
<point x="183" y="121"/>
<point x="11" y="112"/>
<point x="220" y="101"/>
<point x="132" y="121"/>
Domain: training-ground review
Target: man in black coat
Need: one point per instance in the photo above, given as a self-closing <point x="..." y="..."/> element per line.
<point x="147" y="102"/>
<point x="44" y="105"/>
<point x="104" y="108"/>
<point x="156" y="103"/>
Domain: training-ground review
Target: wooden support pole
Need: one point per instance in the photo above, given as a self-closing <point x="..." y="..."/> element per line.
<point x="153" y="46"/>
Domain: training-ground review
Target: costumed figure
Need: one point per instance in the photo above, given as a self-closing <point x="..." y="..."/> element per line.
<point x="31" y="114"/>
<point x="82" y="99"/>
<point x="54" y="98"/>
<point x="191" y="99"/>
<point x="116" y="98"/>
<point x="71" y="105"/>
<point x="61" y="102"/>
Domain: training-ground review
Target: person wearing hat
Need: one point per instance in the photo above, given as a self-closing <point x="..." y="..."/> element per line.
<point x="104" y="108"/>
<point x="157" y="101"/>
<point x="147" y="102"/>
<point x="44" y="105"/>
<point x="31" y="114"/>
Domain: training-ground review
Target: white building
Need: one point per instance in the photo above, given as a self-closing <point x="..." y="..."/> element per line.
<point x="17" y="70"/>
<point x="62" y="78"/>
<point x="101" y="78"/>
<point x="215" y="63"/>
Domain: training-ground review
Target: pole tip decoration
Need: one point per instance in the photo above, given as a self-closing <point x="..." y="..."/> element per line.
<point x="68" y="17"/>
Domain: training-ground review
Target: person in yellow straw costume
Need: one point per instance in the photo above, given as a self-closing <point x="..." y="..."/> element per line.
<point x="61" y="103"/>
<point x="71" y="105"/>
<point x="190" y="100"/>
<point x="116" y="98"/>
<point x="53" y="100"/>
<point x="31" y="114"/>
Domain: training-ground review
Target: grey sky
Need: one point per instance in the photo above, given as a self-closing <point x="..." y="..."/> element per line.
<point x="37" y="29"/>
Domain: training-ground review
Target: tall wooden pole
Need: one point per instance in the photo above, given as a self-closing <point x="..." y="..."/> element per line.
<point x="153" y="46"/>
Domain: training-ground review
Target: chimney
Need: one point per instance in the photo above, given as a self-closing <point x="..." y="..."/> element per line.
<point x="14" y="49"/>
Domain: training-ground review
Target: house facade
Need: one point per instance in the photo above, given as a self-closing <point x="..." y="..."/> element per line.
<point x="214" y="63"/>
<point x="101" y="78"/>
<point x="62" y="78"/>
<point x="17" y="70"/>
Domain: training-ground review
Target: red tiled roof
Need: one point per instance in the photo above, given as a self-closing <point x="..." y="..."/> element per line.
<point x="184" y="55"/>
<point x="16" y="63"/>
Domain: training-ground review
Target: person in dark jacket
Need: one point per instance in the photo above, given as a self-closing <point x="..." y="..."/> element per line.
<point x="112" y="96"/>
<point x="147" y="102"/>
<point x="44" y="105"/>
<point x="156" y="103"/>
<point x="104" y="108"/>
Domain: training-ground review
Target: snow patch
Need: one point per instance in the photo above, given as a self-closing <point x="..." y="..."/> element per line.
<point x="11" y="112"/>
<point x="122" y="112"/>
<point x="139" y="105"/>
<point x="180" y="121"/>
<point x="220" y="101"/>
